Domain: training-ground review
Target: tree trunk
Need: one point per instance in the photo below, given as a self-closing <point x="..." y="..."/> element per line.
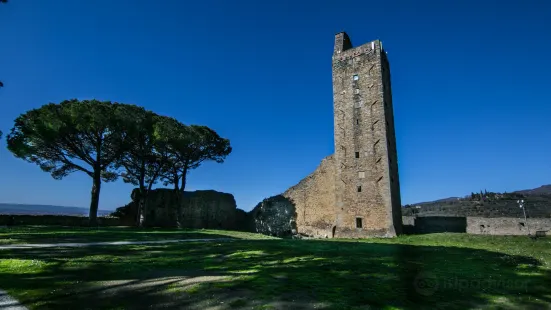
<point x="176" y="181"/>
<point x="142" y="213"/>
<point x="147" y="219"/>
<point x="180" y="195"/>
<point x="183" y="187"/>
<point x="138" y="213"/>
<point x="96" y="187"/>
<point x="141" y="201"/>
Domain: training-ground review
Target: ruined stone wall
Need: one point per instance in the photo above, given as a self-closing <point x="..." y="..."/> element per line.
<point x="200" y="209"/>
<point x="314" y="200"/>
<point x="306" y="208"/>
<point x="274" y="216"/>
<point x="209" y="209"/>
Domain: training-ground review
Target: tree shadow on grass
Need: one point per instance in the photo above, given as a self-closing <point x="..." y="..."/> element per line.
<point x="60" y="234"/>
<point x="284" y="274"/>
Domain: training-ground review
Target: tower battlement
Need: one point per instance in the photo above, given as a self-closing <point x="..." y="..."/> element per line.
<point x="342" y="42"/>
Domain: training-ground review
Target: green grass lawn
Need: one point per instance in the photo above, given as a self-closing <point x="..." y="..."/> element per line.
<point x="44" y="234"/>
<point x="436" y="271"/>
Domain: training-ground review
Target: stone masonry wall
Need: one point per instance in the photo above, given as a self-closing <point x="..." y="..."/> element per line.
<point x="209" y="209"/>
<point x="507" y="226"/>
<point x="306" y="208"/>
<point x="201" y="209"/>
<point x="366" y="180"/>
<point x="314" y="200"/>
<point x="274" y="216"/>
<point x="354" y="192"/>
<point x="476" y="225"/>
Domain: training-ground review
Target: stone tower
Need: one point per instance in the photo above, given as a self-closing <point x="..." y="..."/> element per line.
<point x="367" y="186"/>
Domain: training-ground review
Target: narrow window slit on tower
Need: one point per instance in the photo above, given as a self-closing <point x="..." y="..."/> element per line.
<point x="378" y="160"/>
<point x="358" y="222"/>
<point x="373" y="125"/>
<point x="359" y="188"/>
<point x="357" y="154"/>
<point x="379" y="180"/>
<point x="357" y="121"/>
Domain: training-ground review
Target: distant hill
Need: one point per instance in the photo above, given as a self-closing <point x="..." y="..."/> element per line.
<point x="542" y="190"/>
<point x="440" y="200"/>
<point x="11" y="208"/>
<point x="537" y="205"/>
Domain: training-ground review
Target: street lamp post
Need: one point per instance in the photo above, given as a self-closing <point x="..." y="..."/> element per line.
<point x="521" y="205"/>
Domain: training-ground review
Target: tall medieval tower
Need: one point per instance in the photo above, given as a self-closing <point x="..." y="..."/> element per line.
<point x="367" y="186"/>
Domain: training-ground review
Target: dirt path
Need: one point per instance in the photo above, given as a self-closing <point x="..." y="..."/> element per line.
<point x="85" y="244"/>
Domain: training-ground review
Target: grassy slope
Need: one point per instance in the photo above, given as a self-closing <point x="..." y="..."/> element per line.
<point x="438" y="271"/>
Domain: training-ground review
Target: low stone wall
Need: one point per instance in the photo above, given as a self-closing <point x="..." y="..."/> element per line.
<point x="56" y="220"/>
<point x="475" y="225"/>
<point x="507" y="226"/>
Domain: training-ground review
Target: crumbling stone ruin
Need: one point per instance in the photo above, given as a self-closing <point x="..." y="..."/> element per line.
<point x="200" y="209"/>
<point x="273" y="216"/>
<point x="356" y="191"/>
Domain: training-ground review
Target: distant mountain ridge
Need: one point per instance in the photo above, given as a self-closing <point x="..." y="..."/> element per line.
<point x="542" y="190"/>
<point x="537" y="205"/>
<point x="27" y="209"/>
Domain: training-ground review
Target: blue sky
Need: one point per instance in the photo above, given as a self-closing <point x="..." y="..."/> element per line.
<point x="470" y="86"/>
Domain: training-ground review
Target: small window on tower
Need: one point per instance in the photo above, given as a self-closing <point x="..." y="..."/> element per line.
<point x="357" y="154"/>
<point x="357" y="121"/>
<point x="358" y="222"/>
<point x="359" y="189"/>
<point x="355" y="77"/>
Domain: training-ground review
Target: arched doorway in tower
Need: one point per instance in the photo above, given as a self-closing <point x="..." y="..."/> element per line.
<point x="333" y="231"/>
